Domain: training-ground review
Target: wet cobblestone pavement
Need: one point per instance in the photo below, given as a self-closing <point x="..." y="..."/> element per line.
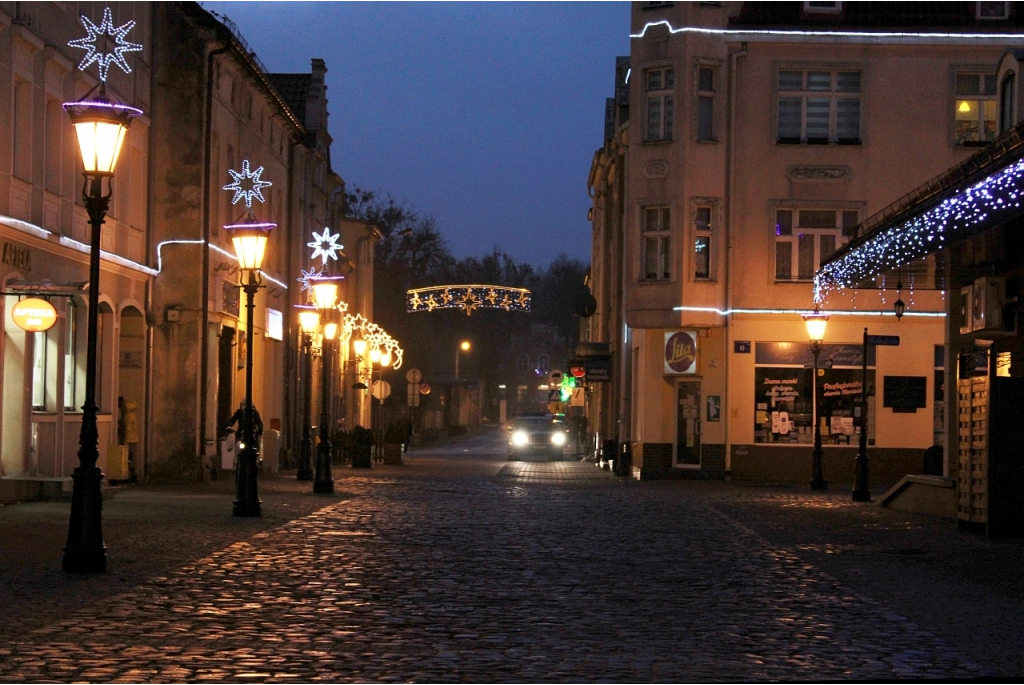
<point x="460" y="569"/>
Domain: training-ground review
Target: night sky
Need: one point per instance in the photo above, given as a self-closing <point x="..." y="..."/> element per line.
<point x="485" y="115"/>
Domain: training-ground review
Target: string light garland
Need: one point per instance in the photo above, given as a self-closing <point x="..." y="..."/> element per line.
<point x="802" y="312"/>
<point x="247" y="185"/>
<point x="95" y="38"/>
<point x="325" y="246"/>
<point x="374" y="335"/>
<point x="994" y="199"/>
<point x="873" y="36"/>
<point x="468" y="298"/>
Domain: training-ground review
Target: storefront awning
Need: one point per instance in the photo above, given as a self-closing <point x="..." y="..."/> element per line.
<point x="904" y="240"/>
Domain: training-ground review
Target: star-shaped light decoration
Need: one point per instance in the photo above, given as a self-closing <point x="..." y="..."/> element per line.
<point x="524" y="299"/>
<point x="96" y="44"/>
<point x="416" y="301"/>
<point x="307" y="276"/>
<point x="247" y="184"/>
<point x="468" y="303"/>
<point x="324" y="246"/>
<point x="446" y="297"/>
<point x="431" y="303"/>
<point x="506" y="302"/>
<point x="491" y="296"/>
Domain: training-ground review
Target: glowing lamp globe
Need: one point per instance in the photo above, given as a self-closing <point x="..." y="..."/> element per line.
<point x="100" y="127"/>
<point x="465" y="346"/>
<point x="385" y="358"/>
<point x="359" y="345"/>
<point x="375" y="355"/>
<point x="309" y="320"/>
<point x="325" y="291"/>
<point x="250" y="242"/>
<point x="331" y="330"/>
<point x="816" y="322"/>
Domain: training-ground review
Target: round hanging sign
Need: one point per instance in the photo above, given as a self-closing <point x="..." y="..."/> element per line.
<point x="34" y="315"/>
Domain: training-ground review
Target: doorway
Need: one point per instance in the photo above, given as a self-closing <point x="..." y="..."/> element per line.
<point x="686" y="453"/>
<point x="225" y="374"/>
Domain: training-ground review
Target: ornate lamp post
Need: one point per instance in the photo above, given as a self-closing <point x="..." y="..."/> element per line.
<point x="309" y="321"/>
<point x="250" y="242"/>
<point x="382" y="358"/>
<point x="464" y="347"/>
<point x="101" y="127"/>
<point x="816" y="322"/>
<point x="325" y="295"/>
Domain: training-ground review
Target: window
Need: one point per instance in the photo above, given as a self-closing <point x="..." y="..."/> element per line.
<point x="1006" y="95"/>
<point x="702" y="243"/>
<point x="74" y="362"/>
<point x="975" y="109"/>
<point x="522" y="365"/>
<point x="53" y="152"/>
<point x="819" y="107"/>
<point x="802" y="245"/>
<point x="705" y="103"/>
<point x="44" y="355"/>
<point x="657" y="241"/>
<point x="543" y="365"/>
<point x="993" y="10"/>
<point x="660" y="103"/>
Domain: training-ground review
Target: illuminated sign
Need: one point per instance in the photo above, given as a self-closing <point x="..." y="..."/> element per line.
<point x="275" y="324"/>
<point x="34" y="315"/>
<point x="680" y="352"/>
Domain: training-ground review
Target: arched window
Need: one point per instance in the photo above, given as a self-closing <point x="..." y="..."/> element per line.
<point x="1007" y="91"/>
<point x="543" y="365"/>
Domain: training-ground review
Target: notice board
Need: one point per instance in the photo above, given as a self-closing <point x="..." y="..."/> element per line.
<point x="905" y="394"/>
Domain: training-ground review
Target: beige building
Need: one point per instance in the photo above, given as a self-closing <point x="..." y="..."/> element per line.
<point x="745" y="143"/>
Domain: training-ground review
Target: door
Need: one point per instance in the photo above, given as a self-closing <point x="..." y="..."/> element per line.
<point x="687" y="447"/>
<point x="225" y="372"/>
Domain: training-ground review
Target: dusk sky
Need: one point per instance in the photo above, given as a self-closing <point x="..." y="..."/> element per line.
<point x="485" y="115"/>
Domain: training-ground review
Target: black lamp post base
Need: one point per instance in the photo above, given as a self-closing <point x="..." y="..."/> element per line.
<point x="247" y="499"/>
<point x="819" y="485"/>
<point x="324" y="483"/>
<point x="324" y="487"/>
<point x="85" y="551"/>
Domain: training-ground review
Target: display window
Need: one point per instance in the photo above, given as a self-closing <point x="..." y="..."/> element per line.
<point x="784" y="394"/>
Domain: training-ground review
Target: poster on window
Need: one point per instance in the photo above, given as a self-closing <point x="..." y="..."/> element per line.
<point x="680" y="353"/>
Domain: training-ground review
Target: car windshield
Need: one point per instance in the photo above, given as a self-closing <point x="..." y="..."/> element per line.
<point x="538" y="423"/>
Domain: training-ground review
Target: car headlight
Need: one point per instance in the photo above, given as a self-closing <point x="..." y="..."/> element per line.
<point x="558" y="439"/>
<point x="519" y="438"/>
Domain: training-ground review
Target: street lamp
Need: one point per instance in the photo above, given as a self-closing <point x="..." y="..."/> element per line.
<point x="325" y="296"/>
<point x="309" y="322"/>
<point x="463" y="346"/>
<point x="250" y="241"/>
<point x="816" y="322"/>
<point x="101" y="127"/>
<point x="383" y="361"/>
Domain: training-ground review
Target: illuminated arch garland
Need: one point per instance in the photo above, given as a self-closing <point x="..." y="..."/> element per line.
<point x="374" y="335"/>
<point x="468" y="298"/>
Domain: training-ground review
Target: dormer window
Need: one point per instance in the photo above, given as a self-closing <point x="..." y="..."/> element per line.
<point x="993" y="11"/>
<point x="830" y="7"/>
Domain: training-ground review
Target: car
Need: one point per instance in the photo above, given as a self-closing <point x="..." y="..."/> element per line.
<point x="546" y="435"/>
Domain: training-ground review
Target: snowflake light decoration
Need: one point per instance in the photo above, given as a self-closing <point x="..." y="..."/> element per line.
<point x="96" y="40"/>
<point x="324" y="246"/>
<point x="247" y="184"/>
<point x="312" y="274"/>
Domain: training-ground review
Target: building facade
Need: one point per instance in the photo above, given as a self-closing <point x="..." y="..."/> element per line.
<point x="171" y="342"/>
<point x="761" y="136"/>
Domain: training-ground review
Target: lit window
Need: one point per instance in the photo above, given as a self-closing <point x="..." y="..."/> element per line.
<point x="975" y="109"/>
<point x="656" y="243"/>
<point x="702" y="243"/>
<point x="819" y="107"/>
<point x="74" y="361"/>
<point x="660" y="103"/>
<point x="804" y="238"/>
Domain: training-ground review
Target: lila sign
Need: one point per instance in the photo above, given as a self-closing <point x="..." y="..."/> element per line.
<point x="681" y="352"/>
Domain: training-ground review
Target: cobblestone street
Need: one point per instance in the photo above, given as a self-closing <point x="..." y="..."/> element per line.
<point x="462" y="566"/>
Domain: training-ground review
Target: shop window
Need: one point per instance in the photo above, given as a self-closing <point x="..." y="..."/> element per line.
<point x="975" y="109"/>
<point x="804" y="238"/>
<point x="44" y="367"/>
<point x="702" y="228"/>
<point x="656" y="243"/>
<point x="819" y="107"/>
<point x="660" y="85"/>
<point x="784" y="390"/>
<point x="74" y="360"/>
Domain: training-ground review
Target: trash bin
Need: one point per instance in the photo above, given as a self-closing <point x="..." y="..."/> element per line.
<point x="624" y="462"/>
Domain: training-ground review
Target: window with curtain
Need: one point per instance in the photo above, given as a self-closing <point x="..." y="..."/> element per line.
<point x="702" y="228"/>
<point x="657" y="243"/>
<point x="660" y="85"/>
<point x="819" y="107"/>
<point x="804" y="238"/>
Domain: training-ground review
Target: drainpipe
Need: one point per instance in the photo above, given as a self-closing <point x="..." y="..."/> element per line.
<point x="292" y="369"/>
<point x="204" y="353"/>
<point x="730" y="182"/>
